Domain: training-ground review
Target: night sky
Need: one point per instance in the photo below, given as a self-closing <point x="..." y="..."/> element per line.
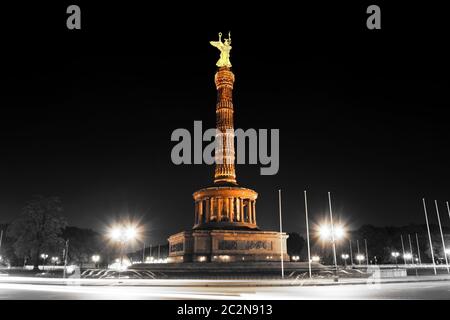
<point x="87" y="115"/>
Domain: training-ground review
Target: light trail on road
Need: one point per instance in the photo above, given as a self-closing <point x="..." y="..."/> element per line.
<point x="425" y="290"/>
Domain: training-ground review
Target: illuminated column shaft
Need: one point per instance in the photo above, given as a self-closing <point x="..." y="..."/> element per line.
<point x="224" y="172"/>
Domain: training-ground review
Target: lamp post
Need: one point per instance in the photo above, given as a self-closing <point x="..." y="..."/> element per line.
<point x="360" y="258"/>
<point x="95" y="258"/>
<point x="123" y="235"/>
<point x="44" y="257"/>
<point x="395" y="255"/>
<point x="55" y="260"/>
<point x="344" y="257"/>
<point x="408" y="256"/>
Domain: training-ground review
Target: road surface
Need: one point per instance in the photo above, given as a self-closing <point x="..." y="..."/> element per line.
<point x="409" y="290"/>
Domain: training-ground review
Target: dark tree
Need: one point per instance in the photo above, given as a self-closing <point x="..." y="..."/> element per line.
<point x="295" y="244"/>
<point x="38" y="229"/>
<point x="83" y="244"/>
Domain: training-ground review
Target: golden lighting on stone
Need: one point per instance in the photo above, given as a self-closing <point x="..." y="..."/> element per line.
<point x="225" y="228"/>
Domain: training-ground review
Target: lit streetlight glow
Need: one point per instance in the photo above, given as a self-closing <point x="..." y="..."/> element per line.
<point x="123" y="234"/>
<point x="395" y="254"/>
<point x="325" y="232"/>
<point x="95" y="258"/>
<point x="315" y="258"/>
<point x="345" y="256"/>
<point x="408" y="256"/>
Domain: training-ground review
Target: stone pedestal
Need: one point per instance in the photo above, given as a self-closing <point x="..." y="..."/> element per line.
<point x="227" y="246"/>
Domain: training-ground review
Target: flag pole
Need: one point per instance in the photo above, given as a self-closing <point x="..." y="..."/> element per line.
<point x="1" y="238"/>
<point x="403" y="249"/>
<point x="418" y="249"/>
<point x="281" y="235"/>
<point x="307" y="236"/>
<point x="367" y="253"/>
<point x="448" y="210"/>
<point x="351" y="252"/>
<point x="410" y="248"/>
<point x="429" y="236"/>
<point x="66" y="253"/>
<point x="333" y="239"/>
<point x="442" y="235"/>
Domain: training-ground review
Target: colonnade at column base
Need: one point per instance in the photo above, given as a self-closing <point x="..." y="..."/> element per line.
<point x="225" y="206"/>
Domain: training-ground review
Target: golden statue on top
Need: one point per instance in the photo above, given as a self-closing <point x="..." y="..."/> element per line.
<point x="225" y="48"/>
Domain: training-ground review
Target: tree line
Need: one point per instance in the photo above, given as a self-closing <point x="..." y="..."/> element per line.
<point x="42" y="228"/>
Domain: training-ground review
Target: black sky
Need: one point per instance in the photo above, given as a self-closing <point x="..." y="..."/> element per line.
<point x="87" y="115"/>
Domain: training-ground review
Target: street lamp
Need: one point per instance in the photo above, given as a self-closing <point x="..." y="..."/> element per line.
<point x="326" y="234"/>
<point x="44" y="257"/>
<point x="123" y="234"/>
<point x="345" y="256"/>
<point x="95" y="258"/>
<point x="360" y="257"/>
<point x="395" y="254"/>
<point x="315" y="258"/>
<point x="332" y="233"/>
<point x="408" y="256"/>
<point x="54" y="261"/>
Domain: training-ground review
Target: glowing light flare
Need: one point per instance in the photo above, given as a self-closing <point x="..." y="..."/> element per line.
<point x="360" y="257"/>
<point x="116" y="233"/>
<point x="130" y="233"/>
<point x="326" y="234"/>
<point x="123" y="233"/>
